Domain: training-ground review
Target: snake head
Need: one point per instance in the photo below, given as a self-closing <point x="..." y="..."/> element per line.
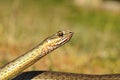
<point x="57" y="40"/>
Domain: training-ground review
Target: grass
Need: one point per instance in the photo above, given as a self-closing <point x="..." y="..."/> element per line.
<point x="94" y="47"/>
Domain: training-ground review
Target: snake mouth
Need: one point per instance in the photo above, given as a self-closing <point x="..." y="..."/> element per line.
<point x="69" y="35"/>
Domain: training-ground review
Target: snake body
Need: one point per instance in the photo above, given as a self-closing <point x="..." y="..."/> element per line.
<point x="14" y="68"/>
<point x="52" y="75"/>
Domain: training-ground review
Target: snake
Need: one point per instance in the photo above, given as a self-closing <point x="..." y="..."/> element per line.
<point x="13" y="70"/>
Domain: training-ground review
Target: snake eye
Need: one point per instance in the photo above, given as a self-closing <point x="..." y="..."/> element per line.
<point x="60" y="33"/>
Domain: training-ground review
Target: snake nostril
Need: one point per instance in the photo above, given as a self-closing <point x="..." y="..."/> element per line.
<point x="71" y="32"/>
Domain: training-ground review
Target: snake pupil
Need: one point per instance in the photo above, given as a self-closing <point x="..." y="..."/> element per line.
<point x="60" y="33"/>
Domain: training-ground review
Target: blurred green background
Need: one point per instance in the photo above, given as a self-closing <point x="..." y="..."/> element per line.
<point x="94" y="48"/>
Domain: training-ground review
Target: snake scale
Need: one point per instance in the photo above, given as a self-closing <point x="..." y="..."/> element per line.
<point x="13" y="69"/>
